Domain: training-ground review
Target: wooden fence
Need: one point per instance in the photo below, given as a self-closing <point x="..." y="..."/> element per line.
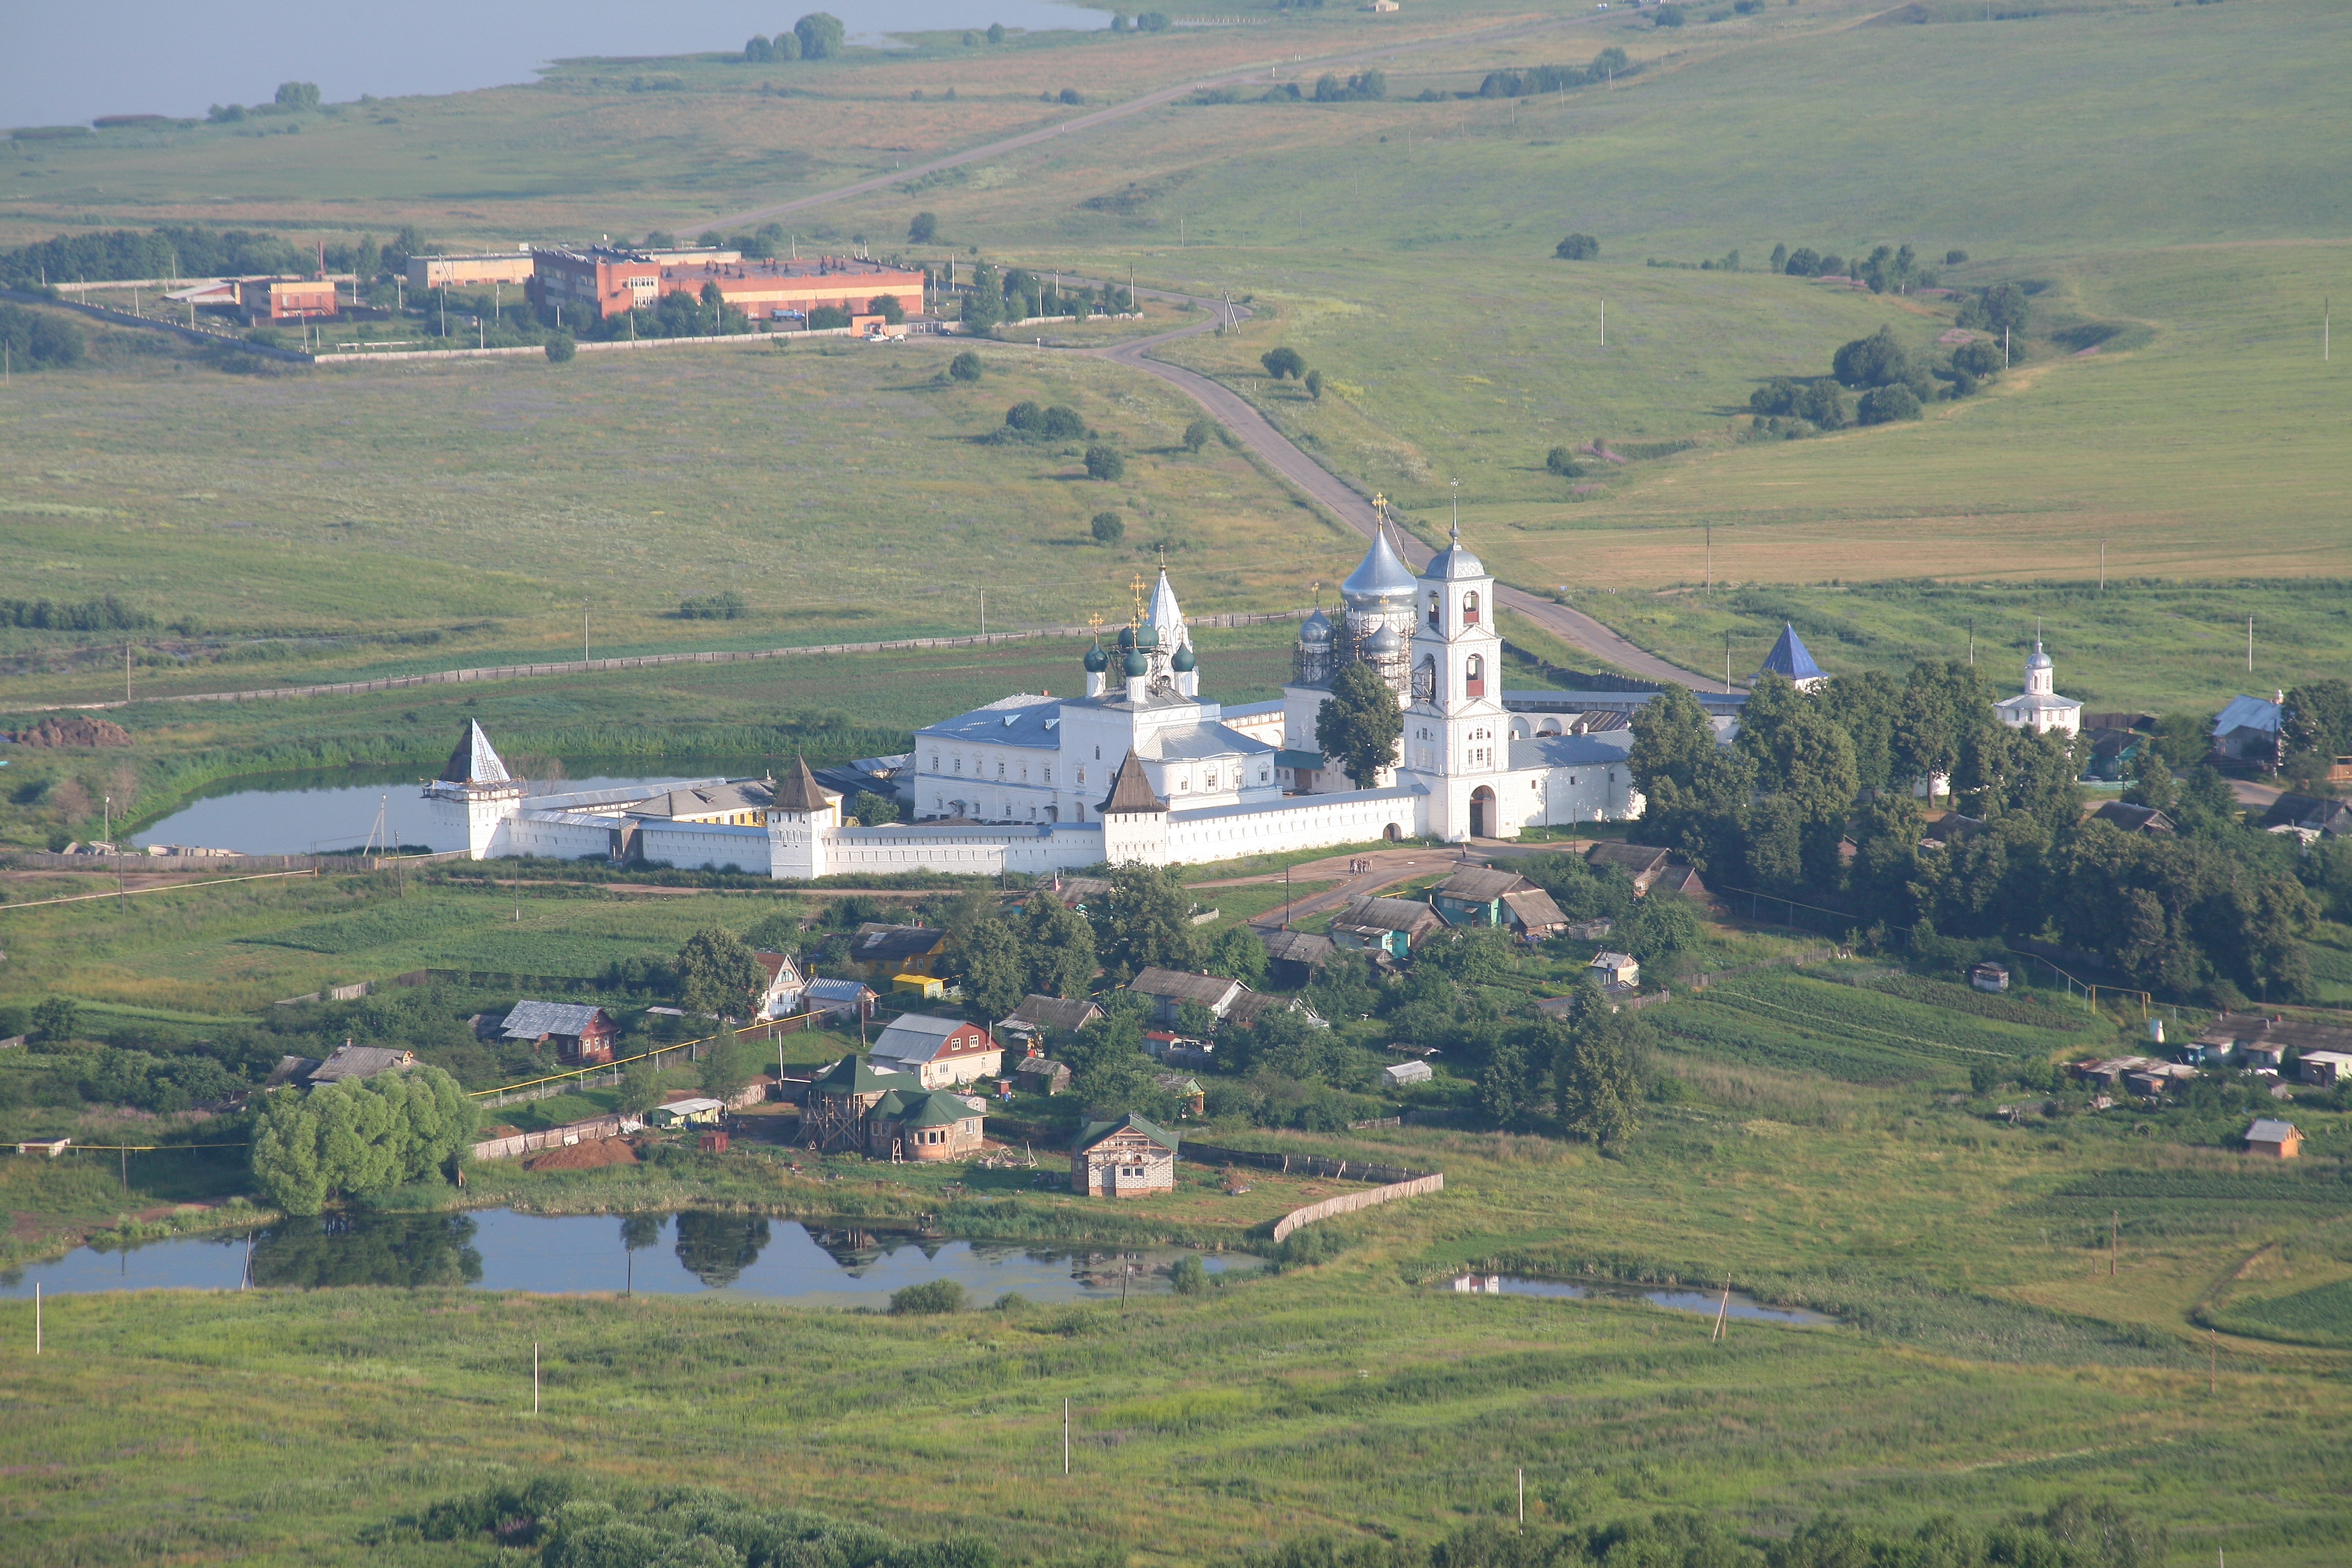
<point x="549" y="1138"/>
<point x="1350" y="1202"/>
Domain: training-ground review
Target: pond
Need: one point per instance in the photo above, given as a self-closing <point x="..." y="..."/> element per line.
<point x="1707" y="1302"/>
<point x="317" y="813"/>
<point x="686" y="1252"/>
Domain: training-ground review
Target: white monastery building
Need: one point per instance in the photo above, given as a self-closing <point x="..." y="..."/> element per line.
<point x="1144" y="766"/>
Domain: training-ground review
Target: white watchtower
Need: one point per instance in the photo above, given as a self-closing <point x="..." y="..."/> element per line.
<point x="474" y="797"/>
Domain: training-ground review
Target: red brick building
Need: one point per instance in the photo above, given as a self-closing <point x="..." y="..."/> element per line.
<point x="286" y="298"/>
<point x="611" y="281"/>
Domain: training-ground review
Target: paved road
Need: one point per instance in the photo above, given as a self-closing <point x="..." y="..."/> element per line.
<point x="1132" y="106"/>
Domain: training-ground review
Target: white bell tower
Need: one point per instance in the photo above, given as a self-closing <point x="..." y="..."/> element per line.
<point x="1456" y="733"/>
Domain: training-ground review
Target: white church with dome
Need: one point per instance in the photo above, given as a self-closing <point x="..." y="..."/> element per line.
<point x="1143" y="766"/>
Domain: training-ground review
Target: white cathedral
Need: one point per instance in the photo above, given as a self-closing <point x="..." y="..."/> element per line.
<point x="1142" y="767"/>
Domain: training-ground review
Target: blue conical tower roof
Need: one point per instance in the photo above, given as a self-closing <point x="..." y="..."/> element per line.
<point x="474" y="761"/>
<point x="1789" y="659"/>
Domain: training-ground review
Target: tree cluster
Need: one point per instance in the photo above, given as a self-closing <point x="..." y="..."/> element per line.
<point x="173" y="250"/>
<point x="1886" y="269"/>
<point x="1577" y="247"/>
<point x="37" y="340"/>
<point x="1019" y="293"/>
<point x="107" y="614"/>
<point x="818" y="36"/>
<point x="1025" y="421"/>
<point x="1607" y="65"/>
<point x="2218" y="909"/>
<point x="342" y="1140"/>
<point x="2318" y="728"/>
<point x="725" y="605"/>
<point x="1362" y="86"/>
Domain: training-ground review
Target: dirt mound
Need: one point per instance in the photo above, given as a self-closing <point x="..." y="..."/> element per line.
<point x="75" y="731"/>
<point x="585" y="1155"/>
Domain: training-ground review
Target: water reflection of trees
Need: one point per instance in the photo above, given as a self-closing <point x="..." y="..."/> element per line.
<point x="717" y="1247"/>
<point x="367" y="1249"/>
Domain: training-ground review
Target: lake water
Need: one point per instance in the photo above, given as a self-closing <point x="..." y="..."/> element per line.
<point x="151" y="57"/>
<point x="1703" y="1301"/>
<point x="315" y="812"/>
<point x="687" y="1253"/>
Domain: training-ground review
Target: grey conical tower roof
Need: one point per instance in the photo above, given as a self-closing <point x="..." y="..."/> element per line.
<point x="474" y="761"/>
<point x="1380" y="577"/>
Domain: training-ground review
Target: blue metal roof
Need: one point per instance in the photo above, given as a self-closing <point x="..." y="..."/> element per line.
<point x="1606" y="749"/>
<point x="2245" y="712"/>
<point x="1789" y="658"/>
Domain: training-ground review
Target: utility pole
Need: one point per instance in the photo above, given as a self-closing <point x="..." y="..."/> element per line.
<point x="534" y="1377"/>
<point x="583" y="632"/>
<point x="126" y="674"/>
<point x="2102" y="563"/>
<point x="1972" y="642"/>
<point x="1523" y="1495"/>
<point x="2250" y="645"/>
<point x="1604" y="323"/>
<point x="1066" y="1434"/>
<point x="1710" y="559"/>
<point x="2114" y="1232"/>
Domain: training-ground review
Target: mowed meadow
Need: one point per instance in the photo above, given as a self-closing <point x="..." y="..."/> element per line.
<point x="844" y="493"/>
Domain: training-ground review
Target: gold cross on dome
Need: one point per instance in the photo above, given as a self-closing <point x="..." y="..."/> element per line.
<point x="1137" y="587"/>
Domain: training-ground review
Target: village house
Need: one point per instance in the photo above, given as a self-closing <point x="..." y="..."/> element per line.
<point x="1387" y="927"/>
<point x="2129" y="818"/>
<point x="2308" y="816"/>
<point x="581" y="1033"/>
<point x="2326" y="1068"/>
<point x="1615" y="971"/>
<point x="1191" y="1099"/>
<point x="1043" y="1014"/>
<point x="782" y="997"/>
<point x="693" y="1110"/>
<point x="841" y="1001"/>
<point x="2248" y="730"/>
<point x="1040" y="1075"/>
<point x="1989" y="976"/>
<point x="1294" y="956"/>
<point x="1170" y="989"/>
<point x="2278" y="1140"/>
<point x="832" y="1121"/>
<point x="902" y="958"/>
<point x="344" y="1063"/>
<point x="1124" y="1159"/>
<point x="938" y="1052"/>
<point x="924" y="1124"/>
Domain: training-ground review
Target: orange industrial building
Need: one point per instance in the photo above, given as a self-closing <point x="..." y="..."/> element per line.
<point x="611" y="281"/>
<point x="265" y="299"/>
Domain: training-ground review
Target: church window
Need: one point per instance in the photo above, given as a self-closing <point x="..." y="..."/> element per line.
<point x="935" y="762"/>
<point x="1436" y="608"/>
<point x="1049" y="775"/>
<point x="1470" y="609"/>
<point x="1098" y="753"/>
<point x="1474" y="677"/>
<point x="999" y="770"/>
<point x="959" y="765"/>
<point x="1082" y="775"/>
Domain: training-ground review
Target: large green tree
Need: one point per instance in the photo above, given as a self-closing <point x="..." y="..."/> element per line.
<point x="1058" y="947"/>
<point x="313" y="1146"/>
<point x="716" y="973"/>
<point x="995" y="969"/>
<point x="1596" y="1072"/>
<point x="1145" y="918"/>
<point x="820" y="35"/>
<point x="1360" y="724"/>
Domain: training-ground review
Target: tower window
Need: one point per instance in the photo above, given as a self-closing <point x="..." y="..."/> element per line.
<point x="1474" y="677"/>
<point x="1436" y="609"/>
<point x="1470" y="609"/>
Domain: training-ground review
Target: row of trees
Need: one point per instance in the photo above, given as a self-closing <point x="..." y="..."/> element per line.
<point x="1888" y="269"/>
<point x="106" y="614"/>
<point x="819" y="36"/>
<point x="177" y="250"/>
<point x="1894" y="382"/>
<point x="1607" y="65"/>
<point x="292" y="98"/>
<point x="1018" y="293"/>
<point x="2217" y="909"/>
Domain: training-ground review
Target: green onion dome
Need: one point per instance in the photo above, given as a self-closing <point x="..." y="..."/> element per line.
<point x="1137" y="664"/>
<point x="1096" y="660"/>
<point x="1184" y="661"/>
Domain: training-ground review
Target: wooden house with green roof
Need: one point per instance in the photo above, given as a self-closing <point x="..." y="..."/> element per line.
<point x="1124" y="1159"/>
<point x="924" y="1124"/>
<point x="833" y="1120"/>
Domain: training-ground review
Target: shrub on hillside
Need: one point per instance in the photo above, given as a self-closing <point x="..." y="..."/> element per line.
<point x="1884" y="405"/>
<point x="1577" y="247"/>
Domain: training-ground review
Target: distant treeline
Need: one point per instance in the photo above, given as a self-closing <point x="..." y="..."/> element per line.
<point x="1609" y="64"/>
<point x="107" y="615"/>
<point x="189" y="250"/>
